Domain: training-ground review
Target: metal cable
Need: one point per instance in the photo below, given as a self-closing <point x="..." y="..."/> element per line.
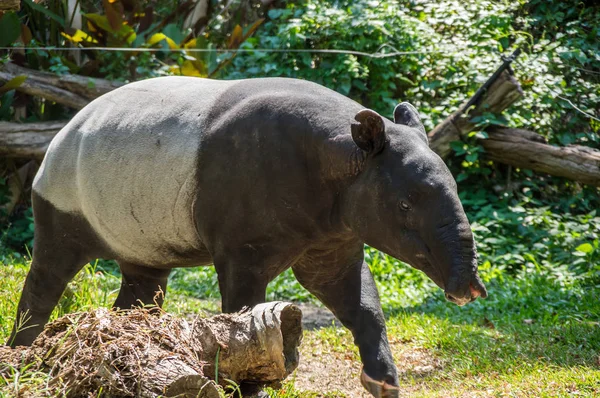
<point x="376" y="54"/>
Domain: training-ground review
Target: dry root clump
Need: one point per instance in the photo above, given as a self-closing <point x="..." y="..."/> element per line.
<point x="147" y="353"/>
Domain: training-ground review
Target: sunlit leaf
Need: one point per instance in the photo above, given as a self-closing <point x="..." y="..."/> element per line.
<point x="585" y="248"/>
<point x="190" y="44"/>
<point x="79" y="36"/>
<point x="12" y="83"/>
<point x="236" y="37"/>
<point x="157" y="37"/>
<point x="188" y="68"/>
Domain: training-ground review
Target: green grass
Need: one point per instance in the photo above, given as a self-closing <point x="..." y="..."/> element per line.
<point x="536" y="335"/>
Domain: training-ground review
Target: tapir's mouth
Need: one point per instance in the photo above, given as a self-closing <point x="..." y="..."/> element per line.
<point x="476" y="289"/>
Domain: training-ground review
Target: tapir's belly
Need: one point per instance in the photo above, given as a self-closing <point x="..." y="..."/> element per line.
<point x="131" y="173"/>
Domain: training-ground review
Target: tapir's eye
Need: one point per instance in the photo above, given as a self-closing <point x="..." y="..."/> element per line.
<point x="404" y="205"/>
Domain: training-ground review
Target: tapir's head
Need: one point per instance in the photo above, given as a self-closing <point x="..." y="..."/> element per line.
<point x="404" y="202"/>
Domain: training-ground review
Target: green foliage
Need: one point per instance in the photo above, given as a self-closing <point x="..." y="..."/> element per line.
<point x="324" y="25"/>
<point x="451" y="48"/>
<point x="17" y="234"/>
<point x="10" y="28"/>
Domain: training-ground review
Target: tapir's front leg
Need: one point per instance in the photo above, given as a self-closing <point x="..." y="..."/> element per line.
<point x="350" y="293"/>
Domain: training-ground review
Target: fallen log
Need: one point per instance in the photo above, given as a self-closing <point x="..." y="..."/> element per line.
<point x="46" y="91"/>
<point x="516" y="147"/>
<point x="10" y="5"/>
<point x="138" y="353"/>
<point x="27" y="140"/>
<point x="74" y="91"/>
<point x="529" y="150"/>
<point x="503" y="92"/>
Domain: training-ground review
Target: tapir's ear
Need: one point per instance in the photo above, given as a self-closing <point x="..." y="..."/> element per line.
<point x="369" y="134"/>
<point x="407" y="115"/>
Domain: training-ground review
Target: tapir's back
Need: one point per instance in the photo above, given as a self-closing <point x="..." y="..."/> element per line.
<point x="127" y="163"/>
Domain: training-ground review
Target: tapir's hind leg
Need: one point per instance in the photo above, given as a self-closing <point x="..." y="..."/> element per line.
<point x="63" y="244"/>
<point x="141" y="286"/>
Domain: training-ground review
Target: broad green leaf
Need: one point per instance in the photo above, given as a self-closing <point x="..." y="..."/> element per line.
<point x="472" y="157"/>
<point x="174" y="32"/>
<point x="585" y="248"/>
<point x="10" y="29"/>
<point x="6" y="101"/>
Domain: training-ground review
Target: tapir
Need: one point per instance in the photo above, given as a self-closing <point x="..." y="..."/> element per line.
<point x="254" y="176"/>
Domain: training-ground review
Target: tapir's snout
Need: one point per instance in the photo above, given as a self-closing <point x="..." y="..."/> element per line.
<point x="466" y="294"/>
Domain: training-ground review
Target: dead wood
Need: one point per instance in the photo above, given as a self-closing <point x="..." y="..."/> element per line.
<point x="27" y="140"/>
<point x="528" y="150"/>
<point x="137" y="353"/>
<point x="10" y="5"/>
<point x="502" y="93"/>
<point x="74" y="91"/>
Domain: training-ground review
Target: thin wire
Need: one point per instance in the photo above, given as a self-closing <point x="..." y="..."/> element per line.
<point x="551" y="89"/>
<point x="376" y="54"/>
<point x="578" y="109"/>
<point x="548" y="61"/>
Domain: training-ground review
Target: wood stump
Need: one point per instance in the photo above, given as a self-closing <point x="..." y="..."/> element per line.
<point x="142" y="354"/>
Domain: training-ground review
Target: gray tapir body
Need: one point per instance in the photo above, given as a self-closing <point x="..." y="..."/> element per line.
<point x="255" y="176"/>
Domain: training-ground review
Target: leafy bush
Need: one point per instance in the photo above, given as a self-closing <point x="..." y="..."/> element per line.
<point x="448" y="49"/>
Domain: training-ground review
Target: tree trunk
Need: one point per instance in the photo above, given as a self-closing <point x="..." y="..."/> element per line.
<point x="528" y="150"/>
<point x="198" y="17"/>
<point x="502" y="93"/>
<point x="27" y="140"/>
<point x="137" y="353"/>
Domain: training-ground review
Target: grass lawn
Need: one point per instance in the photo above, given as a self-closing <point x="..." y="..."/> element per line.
<point x="537" y="335"/>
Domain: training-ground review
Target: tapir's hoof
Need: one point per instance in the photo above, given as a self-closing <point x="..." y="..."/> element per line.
<point x="379" y="389"/>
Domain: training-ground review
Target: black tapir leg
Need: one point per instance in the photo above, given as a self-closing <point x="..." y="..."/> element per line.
<point x="240" y="285"/>
<point x="44" y="286"/>
<point x="63" y="244"/>
<point x="350" y="293"/>
<point x="141" y="286"/>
